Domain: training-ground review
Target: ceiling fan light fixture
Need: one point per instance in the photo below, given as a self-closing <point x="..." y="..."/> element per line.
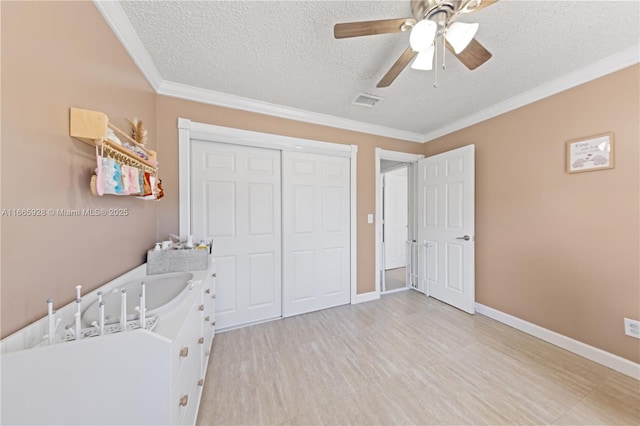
<point x="422" y="35"/>
<point x="460" y="34"/>
<point x="424" y="60"/>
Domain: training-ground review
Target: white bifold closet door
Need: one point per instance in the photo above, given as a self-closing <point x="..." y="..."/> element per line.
<point x="316" y="232"/>
<point x="235" y="199"/>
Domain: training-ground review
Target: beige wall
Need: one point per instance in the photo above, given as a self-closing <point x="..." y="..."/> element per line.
<point x="169" y="109"/>
<point x="560" y="250"/>
<point x="555" y="249"/>
<point x="56" y="55"/>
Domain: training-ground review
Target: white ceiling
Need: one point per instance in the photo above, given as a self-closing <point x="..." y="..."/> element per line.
<point x="284" y="53"/>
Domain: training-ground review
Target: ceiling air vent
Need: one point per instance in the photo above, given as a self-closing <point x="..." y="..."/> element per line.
<point x="366" y="100"/>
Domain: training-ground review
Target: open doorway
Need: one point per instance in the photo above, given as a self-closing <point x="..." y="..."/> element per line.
<point x="395" y="217"/>
<point x="395" y="224"/>
<point x="441" y="194"/>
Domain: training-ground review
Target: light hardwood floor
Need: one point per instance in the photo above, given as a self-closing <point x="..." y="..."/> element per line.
<point x="395" y="278"/>
<point x="405" y="359"/>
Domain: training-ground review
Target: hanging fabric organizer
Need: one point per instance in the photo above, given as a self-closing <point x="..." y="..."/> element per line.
<point x="124" y="166"/>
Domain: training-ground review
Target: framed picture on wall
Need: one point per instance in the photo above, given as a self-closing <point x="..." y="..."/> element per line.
<point x="590" y="153"/>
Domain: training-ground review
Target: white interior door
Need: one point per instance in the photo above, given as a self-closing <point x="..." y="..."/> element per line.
<point x="396" y="217"/>
<point x="446" y="229"/>
<point x="235" y="199"/>
<point x="316" y="232"/>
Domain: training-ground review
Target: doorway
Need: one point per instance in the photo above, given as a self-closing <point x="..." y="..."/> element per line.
<point x="397" y="170"/>
<point x="441" y="225"/>
<point x="395" y="224"/>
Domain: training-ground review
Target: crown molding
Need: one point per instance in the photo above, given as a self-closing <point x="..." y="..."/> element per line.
<point x="124" y="31"/>
<point x="598" y="69"/>
<point x="122" y="28"/>
<point x="112" y="12"/>
<point x="178" y="90"/>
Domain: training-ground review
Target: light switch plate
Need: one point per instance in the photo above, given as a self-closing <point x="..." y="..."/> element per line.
<point x="370" y="218"/>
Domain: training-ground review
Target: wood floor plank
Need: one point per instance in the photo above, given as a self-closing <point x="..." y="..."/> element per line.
<point x="614" y="402"/>
<point x="395" y="278"/>
<point x="405" y="359"/>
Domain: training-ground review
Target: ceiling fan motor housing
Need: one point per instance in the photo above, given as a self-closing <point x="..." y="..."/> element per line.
<point x="440" y="10"/>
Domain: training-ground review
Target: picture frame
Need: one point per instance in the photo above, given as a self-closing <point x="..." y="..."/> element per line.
<point x="587" y="154"/>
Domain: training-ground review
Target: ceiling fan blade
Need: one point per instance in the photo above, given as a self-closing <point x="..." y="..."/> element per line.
<point x="404" y="59"/>
<point x="473" y="55"/>
<point x="365" y="28"/>
<point x="483" y="4"/>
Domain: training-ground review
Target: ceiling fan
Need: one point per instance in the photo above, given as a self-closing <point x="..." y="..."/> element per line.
<point x="431" y="19"/>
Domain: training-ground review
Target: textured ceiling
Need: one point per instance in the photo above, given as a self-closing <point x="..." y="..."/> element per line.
<point x="285" y="53"/>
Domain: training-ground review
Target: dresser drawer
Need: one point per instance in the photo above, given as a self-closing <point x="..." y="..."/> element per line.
<point x="191" y="411"/>
<point x="185" y="395"/>
<point x="185" y="349"/>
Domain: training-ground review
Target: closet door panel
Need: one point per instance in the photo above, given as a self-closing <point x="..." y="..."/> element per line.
<point x="333" y="213"/>
<point x="316" y="232"/>
<point x="236" y="200"/>
<point x="333" y="266"/>
<point x="220" y="200"/>
<point x="261" y="280"/>
<point x="303" y="266"/>
<point x="261" y="198"/>
<point x="303" y="209"/>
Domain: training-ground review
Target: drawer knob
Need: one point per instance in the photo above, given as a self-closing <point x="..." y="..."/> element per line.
<point x="207" y="291"/>
<point x="184" y="352"/>
<point x="200" y="382"/>
<point x="201" y="308"/>
<point x="213" y="296"/>
<point x="184" y="399"/>
<point x="213" y="275"/>
<point x="213" y="323"/>
<point x="201" y="340"/>
<point x="207" y="318"/>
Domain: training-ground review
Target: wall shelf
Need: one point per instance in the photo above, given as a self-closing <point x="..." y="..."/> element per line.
<point x="91" y="127"/>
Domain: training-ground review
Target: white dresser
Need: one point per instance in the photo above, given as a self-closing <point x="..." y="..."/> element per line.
<point x="137" y="377"/>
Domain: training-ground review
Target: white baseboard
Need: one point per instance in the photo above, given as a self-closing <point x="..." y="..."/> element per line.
<point x="249" y="324"/>
<point x="366" y="297"/>
<point x="395" y="290"/>
<point x="360" y="298"/>
<point x="607" y="359"/>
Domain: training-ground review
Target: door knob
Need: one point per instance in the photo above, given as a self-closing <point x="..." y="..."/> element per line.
<point x="466" y="238"/>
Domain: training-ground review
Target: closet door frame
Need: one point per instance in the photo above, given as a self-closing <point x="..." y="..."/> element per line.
<point x="188" y="130"/>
